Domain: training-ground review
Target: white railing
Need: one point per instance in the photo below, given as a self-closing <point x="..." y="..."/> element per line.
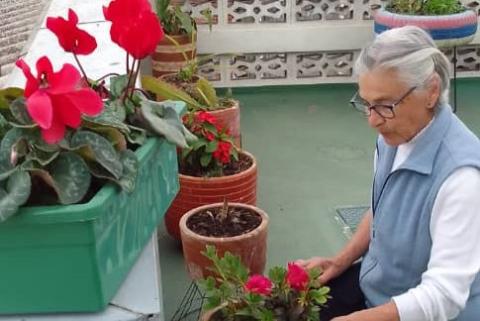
<point x="281" y="42"/>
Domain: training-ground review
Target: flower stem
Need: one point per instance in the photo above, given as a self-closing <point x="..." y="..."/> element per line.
<point x="105" y="76"/>
<point x="81" y="69"/>
<point x="131" y="78"/>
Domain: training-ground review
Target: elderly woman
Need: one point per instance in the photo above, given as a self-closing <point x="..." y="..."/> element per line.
<point x="420" y="240"/>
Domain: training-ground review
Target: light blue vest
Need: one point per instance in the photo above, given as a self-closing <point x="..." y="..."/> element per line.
<point x="402" y="203"/>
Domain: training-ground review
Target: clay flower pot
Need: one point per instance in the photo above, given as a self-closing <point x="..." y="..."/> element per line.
<point x="168" y="58"/>
<point x="447" y="30"/>
<point x="198" y="191"/>
<point x="251" y="246"/>
<point x="230" y="118"/>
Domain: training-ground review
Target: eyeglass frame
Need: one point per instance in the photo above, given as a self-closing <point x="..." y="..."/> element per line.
<point x="368" y="111"/>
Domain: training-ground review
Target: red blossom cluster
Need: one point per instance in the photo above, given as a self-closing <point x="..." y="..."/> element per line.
<point x="205" y="125"/>
<point x="296" y="278"/>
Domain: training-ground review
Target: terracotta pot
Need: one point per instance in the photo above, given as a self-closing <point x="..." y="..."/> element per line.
<point x="168" y="58"/>
<point x="198" y="191"/>
<point x="251" y="247"/>
<point x="230" y="118"/>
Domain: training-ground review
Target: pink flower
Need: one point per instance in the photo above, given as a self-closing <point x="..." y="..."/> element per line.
<point x="258" y="284"/>
<point x="204" y="116"/>
<point x="57" y="99"/>
<point x="297" y="278"/>
<point x="71" y="38"/>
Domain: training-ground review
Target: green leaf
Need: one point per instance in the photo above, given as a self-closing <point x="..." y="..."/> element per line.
<point x="210" y="128"/>
<point x="211" y="303"/>
<point x="266" y="315"/>
<point x="4" y="126"/>
<point x="207" y="92"/>
<point x="130" y="169"/>
<point x="69" y="176"/>
<point x="211" y="146"/>
<point x="10" y="139"/>
<point x="113" y="115"/>
<point x="136" y="135"/>
<point x="314" y="273"/>
<point x="253" y="298"/>
<point x="129" y="175"/>
<point x="16" y="194"/>
<point x="196" y="145"/>
<point x="277" y="274"/>
<point x="185" y="20"/>
<point x="8" y="95"/>
<point x="313" y="313"/>
<point x="210" y="252"/>
<point x="163" y="89"/>
<point x="320" y="296"/>
<point x="118" y="85"/>
<point x="18" y="109"/>
<point x="95" y="147"/>
<point x="205" y="159"/>
<point x="234" y="152"/>
<point x="6" y="168"/>
<point x="164" y="120"/>
<point x="41" y="157"/>
<point x="116" y="138"/>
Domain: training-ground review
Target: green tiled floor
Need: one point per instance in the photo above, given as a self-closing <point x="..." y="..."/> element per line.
<point x="314" y="154"/>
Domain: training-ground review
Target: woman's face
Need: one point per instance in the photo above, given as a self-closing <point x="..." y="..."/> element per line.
<point x="412" y="114"/>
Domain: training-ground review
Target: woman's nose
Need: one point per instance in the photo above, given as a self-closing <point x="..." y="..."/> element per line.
<point x="375" y="119"/>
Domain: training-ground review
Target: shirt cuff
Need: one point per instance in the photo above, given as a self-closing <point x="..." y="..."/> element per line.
<point x="408" y="307"/>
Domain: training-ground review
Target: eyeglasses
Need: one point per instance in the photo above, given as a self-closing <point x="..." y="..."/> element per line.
<point x="383" y="110"/>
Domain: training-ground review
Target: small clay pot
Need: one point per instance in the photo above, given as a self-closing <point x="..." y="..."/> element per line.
<point x="251" y="246"/>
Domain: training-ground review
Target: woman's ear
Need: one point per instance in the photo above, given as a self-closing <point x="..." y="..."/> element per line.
<point x="433" y="91"/>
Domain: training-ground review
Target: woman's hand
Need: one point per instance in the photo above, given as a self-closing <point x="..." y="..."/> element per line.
<point x="330" y="267"/>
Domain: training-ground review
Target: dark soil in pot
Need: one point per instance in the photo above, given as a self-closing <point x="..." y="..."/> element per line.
<point x="212" y="222"/>
<point x="244" y="162"/>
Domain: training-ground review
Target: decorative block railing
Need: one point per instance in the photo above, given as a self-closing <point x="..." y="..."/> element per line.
<point x="281" y="42"/>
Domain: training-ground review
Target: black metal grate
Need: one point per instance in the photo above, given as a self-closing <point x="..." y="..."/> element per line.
<point x="350" y="217"/>
<point x="190" y="306"/>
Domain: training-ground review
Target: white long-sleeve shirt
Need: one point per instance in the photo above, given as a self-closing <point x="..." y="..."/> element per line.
<point x="455" y="255"/>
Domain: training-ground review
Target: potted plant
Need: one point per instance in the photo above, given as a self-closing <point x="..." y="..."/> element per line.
<point x="238" y="228"/>
<point x="199" y="95"/>
<point x="449" y="22"/>
<point x="211" y="170"/>
<point x="178" y="46"/>
<point x="80" y="166"/>
<point x="290" y="293"/>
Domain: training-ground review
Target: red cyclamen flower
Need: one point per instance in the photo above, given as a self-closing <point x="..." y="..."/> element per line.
<point x="71" y="38"/>
<point x="57" y="99"/>
<point x="204" y="116"/>
<point x="297" y="278"/>
<point x="135" y="27"/>
<point x="222" y="154"/>
<point x="258" y="284"/>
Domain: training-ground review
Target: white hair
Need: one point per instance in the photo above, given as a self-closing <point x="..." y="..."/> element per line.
<point x="412" y="53"/>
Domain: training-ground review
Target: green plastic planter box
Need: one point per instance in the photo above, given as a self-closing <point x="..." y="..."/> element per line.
<point x="74" y="258"/>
